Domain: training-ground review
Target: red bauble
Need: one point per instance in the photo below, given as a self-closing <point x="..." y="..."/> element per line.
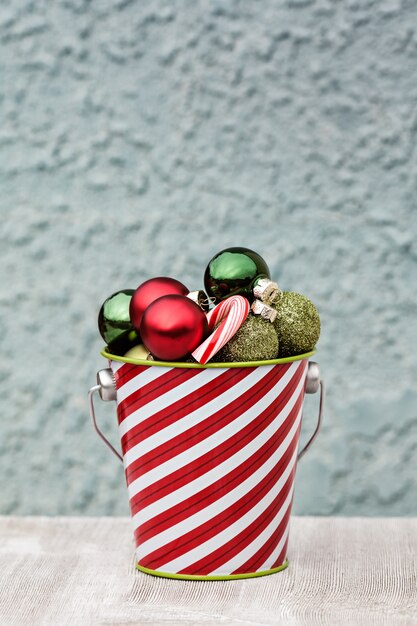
<point x="172" y="327"/>
<point x="148" y="292"/>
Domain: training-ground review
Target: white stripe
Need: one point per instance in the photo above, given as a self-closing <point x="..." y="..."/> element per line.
<point x="215" y="542"/>
<point x="210" y="477"/>
<point x="167" y="399"/>
<point x="217" y="438"/>
<point x="277" y="551"/>
<point x="193" y="521"/>
<point x="141" y="379"/>
<point x="239" y="559"/>
<point x="195" y="417"/>
<point x="115" y="365"/>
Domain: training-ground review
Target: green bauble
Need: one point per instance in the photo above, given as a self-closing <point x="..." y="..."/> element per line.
<point x="234" y="271"/>
<point x="114" y="318"/>
<point x="124" y="342"/>
<point x="297" y="324"/>
<point x="256" y="340"/>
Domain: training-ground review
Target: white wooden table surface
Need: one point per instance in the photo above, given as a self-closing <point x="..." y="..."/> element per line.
<point x="81" y="571"/>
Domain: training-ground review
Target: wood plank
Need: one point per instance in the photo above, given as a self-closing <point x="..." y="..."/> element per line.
<point x="81" y="571"/>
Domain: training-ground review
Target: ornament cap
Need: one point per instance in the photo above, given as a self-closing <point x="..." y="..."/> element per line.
<point x="263" y="310"/>
<point x="267" y="291"/>
<point x="200" y="298"/>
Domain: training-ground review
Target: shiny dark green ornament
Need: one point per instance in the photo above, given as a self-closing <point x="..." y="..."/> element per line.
<point x="297" y="324"/>
<point x="114" y="318"/>
<point x="124" y="342"/>
<point x="234" y="271"/>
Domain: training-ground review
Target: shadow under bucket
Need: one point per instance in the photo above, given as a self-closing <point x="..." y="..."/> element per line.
<point x="210" y="455"/>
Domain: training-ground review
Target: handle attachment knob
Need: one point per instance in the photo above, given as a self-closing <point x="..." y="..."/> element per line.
<point x="107" y="384"/>
<point x="313" y="377"/>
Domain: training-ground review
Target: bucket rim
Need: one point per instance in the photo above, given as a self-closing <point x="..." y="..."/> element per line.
<point x="266" y="572"/>
<point x="181" y="364"/>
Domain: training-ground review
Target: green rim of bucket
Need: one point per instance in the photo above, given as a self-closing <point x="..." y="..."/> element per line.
<point x="145" y="570"/>
<point x="288" y="359"/>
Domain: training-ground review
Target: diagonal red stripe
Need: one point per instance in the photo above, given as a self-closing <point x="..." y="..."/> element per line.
<point x="204" y="463"/>
<point x="204" y="429"/>
<point x="126" y="372"/>
<point x="222" y="520"/>
<point x="225" y="484"/>
<point x="212" y="458"/>
<point x="182" y="407"/>
<point x="256" y="561"/>
<point x="154" y="389"/>
<point x="235" y="545"/>
<point x="280" y="560"/>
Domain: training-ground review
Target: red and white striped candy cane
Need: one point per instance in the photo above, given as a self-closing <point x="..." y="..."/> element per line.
<point x="233" y="311"/>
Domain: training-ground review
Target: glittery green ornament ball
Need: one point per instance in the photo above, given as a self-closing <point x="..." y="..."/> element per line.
<point x="297" y="324"/>
<point x="256" y="340"/>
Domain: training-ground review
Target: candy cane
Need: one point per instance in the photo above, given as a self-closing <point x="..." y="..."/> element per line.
<point x="233" y="311"/>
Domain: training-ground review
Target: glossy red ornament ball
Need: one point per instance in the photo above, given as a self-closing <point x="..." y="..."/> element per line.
<point x="148" y="292"/>
<point x="172" y="327"/>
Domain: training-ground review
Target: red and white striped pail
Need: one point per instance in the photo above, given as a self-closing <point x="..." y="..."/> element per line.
<point x="210" y="454"/>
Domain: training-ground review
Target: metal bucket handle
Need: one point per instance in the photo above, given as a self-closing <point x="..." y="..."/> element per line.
<point x="106" y="387"/>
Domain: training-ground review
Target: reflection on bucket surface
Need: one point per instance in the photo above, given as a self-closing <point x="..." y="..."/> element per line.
<point x="210" y="456"/>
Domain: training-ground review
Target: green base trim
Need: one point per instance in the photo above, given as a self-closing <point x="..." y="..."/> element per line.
<point x="288" y="359"/>
<point x="267" y="572"/>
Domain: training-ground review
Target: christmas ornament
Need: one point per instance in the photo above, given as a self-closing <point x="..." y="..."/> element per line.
<point x="264" y="310"/>
<point x="297" y="324"/>
<point x="234" y="271"/>
<point x="149" y="291"/>
<point x="138" y="352"/>
<point x="114" y="318"/>
<point x="256" y="340"/>
<point x="124" y="342"/>
<point x="172" y="327"/>
<point x="231" y="313"/>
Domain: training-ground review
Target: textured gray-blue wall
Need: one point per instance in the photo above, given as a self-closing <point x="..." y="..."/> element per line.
<point x="139" y="138"/>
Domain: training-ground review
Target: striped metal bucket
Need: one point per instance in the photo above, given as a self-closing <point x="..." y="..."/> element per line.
<point x="210" y="455"/>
